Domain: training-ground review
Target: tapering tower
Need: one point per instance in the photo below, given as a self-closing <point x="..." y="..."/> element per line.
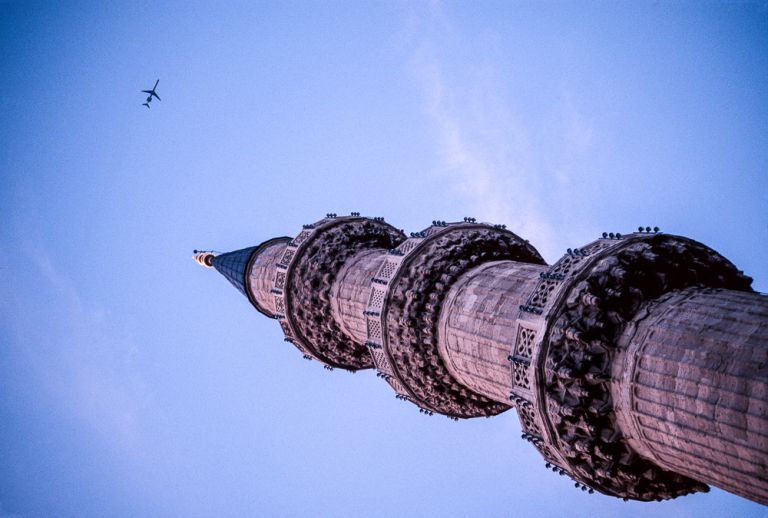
<point x="637" y="364"/>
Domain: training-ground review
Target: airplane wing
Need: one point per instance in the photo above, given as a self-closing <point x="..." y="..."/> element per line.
<point x="157" y="96"/>
<point x="147" y="91"/>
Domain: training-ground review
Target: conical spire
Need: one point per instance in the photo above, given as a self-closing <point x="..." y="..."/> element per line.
<point x="233" y="265"/>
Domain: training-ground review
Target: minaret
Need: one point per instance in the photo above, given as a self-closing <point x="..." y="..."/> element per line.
<point x="637" y="364"/>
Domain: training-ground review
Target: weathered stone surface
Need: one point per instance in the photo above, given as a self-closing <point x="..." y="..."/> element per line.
<point x="261" y="274"/>
<point x="697" y="403"/>
<point x="351" y="291"/>
<point x="584" y="332"/>
<point x="474" y="337"/>
<point x="311" y="276"/>
<point x="637" y="365"/>
<point x="415" y="298"/>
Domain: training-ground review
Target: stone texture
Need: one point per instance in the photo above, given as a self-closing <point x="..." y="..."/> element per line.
<point x="261" y="275"/>
<point x="474" y="336"/>
<point x="351" y="291"/>
<point x="586" y="323"/>
<point x="693" y="389"/>
<point x="637" y="363"/>
<point x="416" y="295"/>
<point x="311" y="272"/>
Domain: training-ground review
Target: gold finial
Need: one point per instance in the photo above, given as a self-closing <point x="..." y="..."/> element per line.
<point x="203" y="258"/>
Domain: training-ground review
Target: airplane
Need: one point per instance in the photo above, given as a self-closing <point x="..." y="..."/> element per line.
<point x="151" y="93"/>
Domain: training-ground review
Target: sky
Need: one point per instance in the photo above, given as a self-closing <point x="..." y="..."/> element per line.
<point x="135" y="383"/>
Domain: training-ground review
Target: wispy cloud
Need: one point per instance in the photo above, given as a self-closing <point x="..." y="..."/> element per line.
<point x="485" y="149"/>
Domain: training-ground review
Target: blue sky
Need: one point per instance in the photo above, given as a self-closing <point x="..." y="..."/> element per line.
<point x="134" y="383"/>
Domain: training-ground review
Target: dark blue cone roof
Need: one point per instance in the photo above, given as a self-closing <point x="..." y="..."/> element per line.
<point x="232" y="265"/>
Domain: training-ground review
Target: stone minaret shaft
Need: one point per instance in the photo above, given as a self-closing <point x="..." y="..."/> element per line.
<point x="689" y="393"/>
<point x="638" y="365"/>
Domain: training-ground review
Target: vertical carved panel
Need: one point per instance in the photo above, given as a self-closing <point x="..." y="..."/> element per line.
<point x="524" y="343"/>
<point x="521" y="375"/>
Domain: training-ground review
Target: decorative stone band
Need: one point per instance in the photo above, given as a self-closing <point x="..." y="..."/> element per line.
<point x="577" y="315"/>
<point x="304" y="279"/>
<point x="403" y="312"/>
<point x="526" y="355"/>
<point x="248" y="269"/>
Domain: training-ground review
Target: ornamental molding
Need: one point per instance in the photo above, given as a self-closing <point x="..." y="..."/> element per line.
<point x="581" y="307"/>
<point x="403" y="312"/>
<point x="304" y="280"/>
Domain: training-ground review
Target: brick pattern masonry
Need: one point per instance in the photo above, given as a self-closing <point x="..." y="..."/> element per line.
<point x="638" y="364"/>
